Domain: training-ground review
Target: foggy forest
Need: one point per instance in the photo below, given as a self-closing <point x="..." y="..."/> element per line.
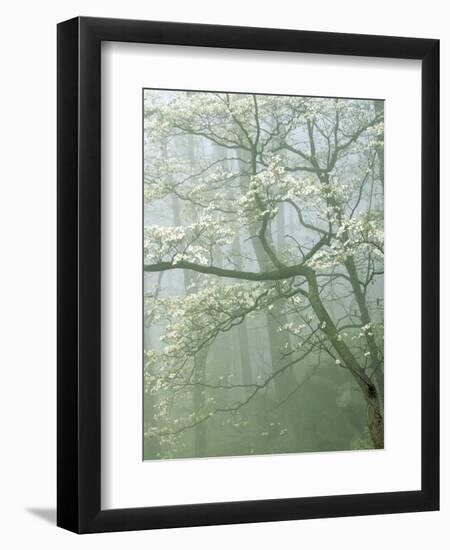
<point x="263" y="274"/>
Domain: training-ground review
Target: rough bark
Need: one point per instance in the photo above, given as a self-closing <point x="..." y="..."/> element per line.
<point x="375" y="421"/>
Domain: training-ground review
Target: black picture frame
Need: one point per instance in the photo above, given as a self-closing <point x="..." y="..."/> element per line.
<point x="79" y="281"/>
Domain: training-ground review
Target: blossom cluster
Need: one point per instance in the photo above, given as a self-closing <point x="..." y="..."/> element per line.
<point x="192" y="243"/>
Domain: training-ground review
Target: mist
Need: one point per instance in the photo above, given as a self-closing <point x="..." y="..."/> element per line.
<point x="263" y="274"/>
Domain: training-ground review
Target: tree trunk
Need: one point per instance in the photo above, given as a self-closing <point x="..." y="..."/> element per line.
<point x="375" y="421"/>
<point x="379" y="109"/>
<point x="286" y="382"/>
<point x="198" y="398"/>
<point x="246" y="374"/>
<point x="375" y="355"/>
<point x="152" y="445"/>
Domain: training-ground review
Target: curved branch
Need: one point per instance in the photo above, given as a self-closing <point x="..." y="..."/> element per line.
<point x="275" y="275"/>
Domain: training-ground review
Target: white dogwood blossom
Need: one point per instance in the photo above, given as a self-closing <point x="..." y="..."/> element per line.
<point x="263" y="253"/>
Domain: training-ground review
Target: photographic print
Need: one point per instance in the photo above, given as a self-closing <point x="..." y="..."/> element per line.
<point x="263" y="274"/>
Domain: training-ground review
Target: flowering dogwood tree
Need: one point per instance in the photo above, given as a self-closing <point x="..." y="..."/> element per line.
<point x="263" y="262"/>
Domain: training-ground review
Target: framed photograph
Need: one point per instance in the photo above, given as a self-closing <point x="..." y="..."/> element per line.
<point x="248" y="254"/>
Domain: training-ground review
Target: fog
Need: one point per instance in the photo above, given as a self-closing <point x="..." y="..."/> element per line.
<point x="263" y="274"/>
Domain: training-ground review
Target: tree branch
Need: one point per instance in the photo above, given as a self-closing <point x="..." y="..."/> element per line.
<point x="275" y="275"/>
